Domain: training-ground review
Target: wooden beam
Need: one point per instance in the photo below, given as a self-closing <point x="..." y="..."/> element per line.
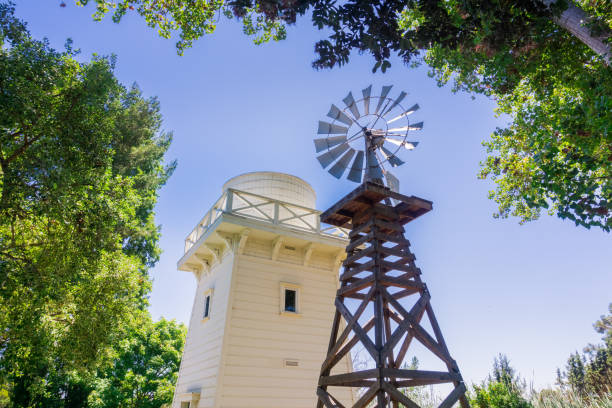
<point x="204" y="261"/>
<point x="244" y="235"/>
<point x="342" y="379"/>
<point x="276" y="246"/>
<point x="338" y="259"/>
<point x="453" y="396"/>
<point x="377" y="234"/>
<point x="226" y="241"/>
<point x="213" y="251"/>
<point x="307" y="254"/>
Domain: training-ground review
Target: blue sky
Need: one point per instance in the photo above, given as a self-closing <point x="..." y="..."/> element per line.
<point x="530" y="291"/>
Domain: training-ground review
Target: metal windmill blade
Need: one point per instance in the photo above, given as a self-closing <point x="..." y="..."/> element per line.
<point x="383" y="96"/>
<point x="326" y="128"/>
<point x="392" y="158"/>
<point x="366" y="99"/>
<point x="373" y="171"/>
<point x="404" y="143"/>
<point x="395" y="103"/>
<point x="364" y="142"/>
<point x="338" y="169"/>
<point x="328" y="158"/>
<point x="349" y="101"/>
<point x="415" y="126"/>
<point x="409" y="111"/>
<point x="357" y="168"/>
<point x="337" y="114"/>
<point x="328" y="142"/>
<point x="392" y="181"/>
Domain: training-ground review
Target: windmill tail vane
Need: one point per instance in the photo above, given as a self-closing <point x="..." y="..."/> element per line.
<point x="366" y="136"/>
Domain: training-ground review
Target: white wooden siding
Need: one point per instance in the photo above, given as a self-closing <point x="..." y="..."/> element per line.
<point x="202" y="354"/>
<point x="260" y="339"/>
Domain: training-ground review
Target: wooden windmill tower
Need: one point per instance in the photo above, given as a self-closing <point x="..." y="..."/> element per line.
<point x="382" y="304"/>
<point x="266" y="273"/>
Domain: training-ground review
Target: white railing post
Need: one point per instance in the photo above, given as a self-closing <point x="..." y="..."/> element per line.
<point x="276" y="212"/>
<point x="230" y="200"/>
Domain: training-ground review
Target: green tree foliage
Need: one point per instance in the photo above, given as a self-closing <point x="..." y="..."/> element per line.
<point x="503" y="372"/>
<point x="145" y="370"/>
<point x="555" y="155"/>
<point x="142" y="372"/>
<point x="590" y="373"/>
<point x="503" y="389"/>
<point x="498" y="395"/>
<point x="81" y="161"/>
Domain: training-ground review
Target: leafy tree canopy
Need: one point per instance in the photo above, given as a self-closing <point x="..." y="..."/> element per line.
<point x="590" y="373"/>
<point x="555" y="155"/>
<point x="81" y="161"/>
<point x="145" y="370"/>
<point x="503" y="389"/>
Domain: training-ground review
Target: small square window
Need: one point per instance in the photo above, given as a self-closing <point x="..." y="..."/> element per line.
<point x="207" y="304"/>
<point x="290" y="299"/>
<point x="185" y="404"/>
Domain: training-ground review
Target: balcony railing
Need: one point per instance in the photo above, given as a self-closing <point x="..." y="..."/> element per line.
<point x="257" y="207"/>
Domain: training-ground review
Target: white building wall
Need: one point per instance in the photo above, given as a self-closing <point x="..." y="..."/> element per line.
<point x="202" y="354"/>
<point x="236" y="359"/>
<point x="260" y="338"/>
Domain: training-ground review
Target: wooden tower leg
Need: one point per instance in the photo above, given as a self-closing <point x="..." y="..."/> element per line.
<point x="380" y="274"/>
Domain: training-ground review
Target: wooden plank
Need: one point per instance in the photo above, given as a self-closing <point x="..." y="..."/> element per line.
<point x="350" y="344"/>
<point x="360" y="240"/>
<point x="436" y="327"/>
<point x="396" y="395"/>
<point x="419" y="374"/>
<point x="395" y="238"/>
<point x="453" y="396"/>
<point x="373" y="192"/>
<point x="324" y="398"/>
<point x="332" y="341"/>
<point x="358" y="255"/>
<point x="356" y="286"/>
<point x="363" y="336"/>
<point x="347" y="330"/>
<point x="359" y="229"/>
<point x="401" y="282"/>
<point x="366" y="397"/>
<point x="404" y="349"/>
<point x="382" y="210"/>
<point x="403" y="293"/>
<point x="350" y="272"/>
<point x="419" y="382"/>
<point x="388" y="225"/>
<point x="387" y="312"/>
<point x="335" y="401"/>
<point x="342" y="379"/>
<point x="394" y="266"/>
<point x="405" y="255"/>
<point x="409" y="322"/>
<point x="420" y="333"/>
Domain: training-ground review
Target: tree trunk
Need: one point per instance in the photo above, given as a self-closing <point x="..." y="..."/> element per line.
<point x="572" y="19"/>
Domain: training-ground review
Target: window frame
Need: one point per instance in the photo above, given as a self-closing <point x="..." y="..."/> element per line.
<point x="284" y="286"/>
<point x="208" y="295"/>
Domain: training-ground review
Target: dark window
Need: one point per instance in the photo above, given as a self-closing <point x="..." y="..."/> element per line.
<point x="207" y="306"/>
<point x="290" y="300"/>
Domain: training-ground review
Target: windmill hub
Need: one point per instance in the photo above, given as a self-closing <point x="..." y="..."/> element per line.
<point x="367" y="151"/>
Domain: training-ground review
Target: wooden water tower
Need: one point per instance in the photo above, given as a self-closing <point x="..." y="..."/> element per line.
<point x="267" y="275"/>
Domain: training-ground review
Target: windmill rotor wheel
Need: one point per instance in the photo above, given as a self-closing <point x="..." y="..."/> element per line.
<point x="367" y="136"/>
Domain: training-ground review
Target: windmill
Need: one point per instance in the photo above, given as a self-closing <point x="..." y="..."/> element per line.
<point x="374" y="134"/>
<point x="382" y="305"/>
